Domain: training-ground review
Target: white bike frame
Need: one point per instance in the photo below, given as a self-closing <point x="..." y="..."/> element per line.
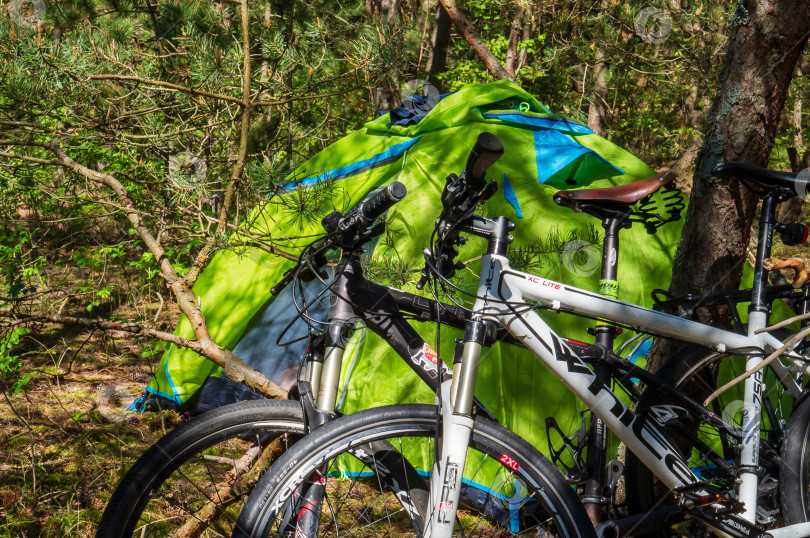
<point x="502" y="296"/>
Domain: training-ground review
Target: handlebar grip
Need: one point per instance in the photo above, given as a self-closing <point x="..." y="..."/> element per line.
<point x="380" y="202"/>
<point x="285" y="280"/>
<point x="486" y="151"/>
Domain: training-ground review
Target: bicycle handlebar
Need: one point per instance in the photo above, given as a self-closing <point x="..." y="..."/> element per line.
<point x="368" y="210"/>
<point x="485" y="152"/>
<point x="347" y="231"/>
<point x="460" y="197"/>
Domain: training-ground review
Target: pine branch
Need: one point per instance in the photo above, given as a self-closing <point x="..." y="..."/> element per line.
<point x="168" y="85"/>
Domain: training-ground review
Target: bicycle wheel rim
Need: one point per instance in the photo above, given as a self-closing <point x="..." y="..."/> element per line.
<point x="194" y="480"/>
<point x="517" y="498"/>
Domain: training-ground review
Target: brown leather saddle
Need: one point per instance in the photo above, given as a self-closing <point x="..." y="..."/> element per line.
<point x="627" y="194"/>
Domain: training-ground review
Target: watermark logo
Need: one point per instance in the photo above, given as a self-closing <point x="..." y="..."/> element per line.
<point x="801" y="185"/>
<point x="581" y="258"/>
<point x="113" y="400"/>
<point x="27" y="13"/>
<point x="510" y="493"/>
<point x="419" y="96"/>
<point x="733" y="412"/>
<point x="187" y="170"/>
<point x="653" y="25"/>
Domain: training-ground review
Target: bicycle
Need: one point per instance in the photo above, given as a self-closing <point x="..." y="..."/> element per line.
<point x="229" y="444"/>
<point x="229" y="448"/>
<point x="509" y="298"/>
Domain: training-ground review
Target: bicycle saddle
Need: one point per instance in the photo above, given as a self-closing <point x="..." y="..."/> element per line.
<point x="762" y="177"/>
<point x="627" y="194"/>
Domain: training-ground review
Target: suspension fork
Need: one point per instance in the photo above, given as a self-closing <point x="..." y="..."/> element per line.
<point x="341" y="324"/>
<point x="324" y="376"/>
<point x="456" y="402"/>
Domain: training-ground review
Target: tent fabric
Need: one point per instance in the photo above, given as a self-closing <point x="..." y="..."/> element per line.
<point x="241" y="314"/>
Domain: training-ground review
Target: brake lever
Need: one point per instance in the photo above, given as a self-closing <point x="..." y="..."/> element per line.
<point x="354" y="240"/>
<point x="489" y="190"/>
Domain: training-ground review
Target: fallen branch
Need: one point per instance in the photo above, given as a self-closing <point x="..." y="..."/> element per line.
<point x="236" y="487"/>
<point x="232" y="366"/>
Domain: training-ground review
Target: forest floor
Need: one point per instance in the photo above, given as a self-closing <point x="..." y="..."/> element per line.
<point x="65" y="439"/>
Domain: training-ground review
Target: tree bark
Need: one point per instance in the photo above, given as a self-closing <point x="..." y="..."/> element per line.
<point x="797" y="117"/>
<point x="466" y="28"/>
<point x="437" y="61"/>
<point x="597" y="110"/>
<point x="515" y="34"/>
<point x="766" y="40"/>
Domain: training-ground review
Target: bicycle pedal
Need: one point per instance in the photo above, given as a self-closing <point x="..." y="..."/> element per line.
<point x="703" y="494"/>
<point x="730" y="523"/>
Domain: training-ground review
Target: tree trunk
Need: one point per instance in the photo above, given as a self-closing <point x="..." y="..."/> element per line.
<point x="767" y="38"/>
<point x="515" y="34"/>
<point x="387" y="96"/>
<point x="798" y="143"/>
<point x="437" y="61"/>
<point x="598" y="107"/>
<point x="386" y="10"/>
<point x="597" y="111"/>
<point x="466" y="28"/>
<point x="264" y="74"/>
<point x="389" y="10"/>
<point x="527" y="34"/>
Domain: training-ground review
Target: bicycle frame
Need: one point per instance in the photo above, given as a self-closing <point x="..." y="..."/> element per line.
<point x="380" y="309"/>
<point x="503" y="291"/>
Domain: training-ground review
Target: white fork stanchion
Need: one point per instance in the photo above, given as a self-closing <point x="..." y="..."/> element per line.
<point x="448" y="469"/>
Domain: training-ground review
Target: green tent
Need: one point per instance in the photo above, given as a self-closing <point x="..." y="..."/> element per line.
<point x="419" y="145"/>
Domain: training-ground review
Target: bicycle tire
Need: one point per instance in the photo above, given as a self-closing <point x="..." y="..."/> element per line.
<point x="499" y="503"/>
<point x="156" y="496"/>
<point x="794" y="491"/>
<point x="695" y="369"/>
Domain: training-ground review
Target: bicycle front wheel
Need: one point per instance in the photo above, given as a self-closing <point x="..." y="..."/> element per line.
<point x="508" y="486"/>
<point x="194" y="480"/>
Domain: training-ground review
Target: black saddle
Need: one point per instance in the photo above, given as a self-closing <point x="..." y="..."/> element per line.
<point x="767" y="180"/>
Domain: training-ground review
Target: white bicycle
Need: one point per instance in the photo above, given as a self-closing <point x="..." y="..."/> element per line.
<point x="712" y="468"/>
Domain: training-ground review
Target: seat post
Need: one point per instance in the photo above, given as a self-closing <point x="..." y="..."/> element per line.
<point x="759" y="302"/>
<point x="610" y="257"/>
<point x="595" y="499"/>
